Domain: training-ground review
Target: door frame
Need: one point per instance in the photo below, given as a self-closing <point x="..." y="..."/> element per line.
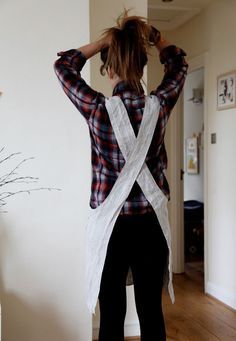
<point x="176" y="163"/>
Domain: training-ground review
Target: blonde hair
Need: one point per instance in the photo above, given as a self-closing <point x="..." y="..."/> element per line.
<point x="128" y="49"/>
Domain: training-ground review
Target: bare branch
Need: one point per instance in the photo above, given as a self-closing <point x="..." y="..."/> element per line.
<point x="3" y="176"/>
<point x="17" y="166"/>
<point x="8" y="157"/>
<point x="27" y="191"/>
<point x="17" y="180"/>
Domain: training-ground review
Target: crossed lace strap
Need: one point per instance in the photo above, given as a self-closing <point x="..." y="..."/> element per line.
<point x="128" y="142"/>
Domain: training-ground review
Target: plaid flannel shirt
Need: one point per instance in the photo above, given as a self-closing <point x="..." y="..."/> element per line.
<point x="106" y="157"/>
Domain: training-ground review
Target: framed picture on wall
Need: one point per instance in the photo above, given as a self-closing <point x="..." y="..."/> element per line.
<point x="192" y="161"/>
<point x="226" y="90"/>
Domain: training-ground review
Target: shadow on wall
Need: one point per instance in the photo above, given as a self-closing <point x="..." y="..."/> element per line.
<point x="21" y="321"/>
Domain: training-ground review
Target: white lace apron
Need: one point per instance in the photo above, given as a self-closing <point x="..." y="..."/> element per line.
<point x="101" y="220"/>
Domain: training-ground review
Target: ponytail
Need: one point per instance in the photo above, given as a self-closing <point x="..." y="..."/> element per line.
<point x="127" y="52"/>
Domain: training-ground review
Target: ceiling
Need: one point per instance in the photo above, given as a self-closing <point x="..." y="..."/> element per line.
<point x="170" y="15"/>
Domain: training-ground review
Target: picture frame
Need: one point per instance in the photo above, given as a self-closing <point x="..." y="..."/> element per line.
<point x="226" y="90"/>
<point x="192" y="155"/>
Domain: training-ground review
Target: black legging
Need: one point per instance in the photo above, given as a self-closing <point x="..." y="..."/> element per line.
<point x="136" y="241"/>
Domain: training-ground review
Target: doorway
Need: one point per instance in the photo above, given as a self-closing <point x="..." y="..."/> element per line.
<point x="193" y="173"/>
<point x="175" y="145"/>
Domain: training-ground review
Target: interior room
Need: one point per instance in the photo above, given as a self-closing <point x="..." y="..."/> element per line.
<point x="44" y="137"/>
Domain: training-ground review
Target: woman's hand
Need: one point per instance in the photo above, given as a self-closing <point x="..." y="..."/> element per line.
<point x="155" y="36"/>
<point x="157" y="40"/>
<point x="105" y="41"/>
<point x="91" y="49"/>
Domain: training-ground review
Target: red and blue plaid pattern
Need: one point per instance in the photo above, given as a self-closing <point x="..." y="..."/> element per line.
<point x="107" y="159"/>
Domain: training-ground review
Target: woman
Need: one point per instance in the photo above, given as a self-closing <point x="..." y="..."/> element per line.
<point x="128" y="235"/>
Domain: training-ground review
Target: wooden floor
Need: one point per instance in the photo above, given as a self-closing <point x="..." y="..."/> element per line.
<point x="195" y="316"/>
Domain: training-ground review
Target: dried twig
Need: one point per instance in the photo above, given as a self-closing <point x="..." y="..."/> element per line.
<point x="11" y="178"/>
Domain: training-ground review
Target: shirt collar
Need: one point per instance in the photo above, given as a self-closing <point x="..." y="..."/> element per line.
<point x="123" y="86"/>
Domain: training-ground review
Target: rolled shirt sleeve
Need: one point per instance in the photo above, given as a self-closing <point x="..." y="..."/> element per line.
<point x="68" y="70"/>
<point x="175" y="72"/>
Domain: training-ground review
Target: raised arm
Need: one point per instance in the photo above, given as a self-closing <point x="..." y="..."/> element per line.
<point x="175" y="72"/>
<point x="68" y="68"/>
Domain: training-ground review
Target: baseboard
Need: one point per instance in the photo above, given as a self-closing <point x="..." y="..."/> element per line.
<point x="221" y="294"/>
<point x="132" y="330"/>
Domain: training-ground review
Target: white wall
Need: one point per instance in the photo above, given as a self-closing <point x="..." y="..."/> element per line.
<point x="103" y="16"/>
<point x="193" y="124"/>
<point x="212" y="31"/>
<point x="42" y="235"/>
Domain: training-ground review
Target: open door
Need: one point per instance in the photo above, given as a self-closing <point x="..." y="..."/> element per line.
<point x="177" y="171"/>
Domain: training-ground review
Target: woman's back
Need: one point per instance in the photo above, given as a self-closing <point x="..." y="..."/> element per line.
<point x="107" y="159"/>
